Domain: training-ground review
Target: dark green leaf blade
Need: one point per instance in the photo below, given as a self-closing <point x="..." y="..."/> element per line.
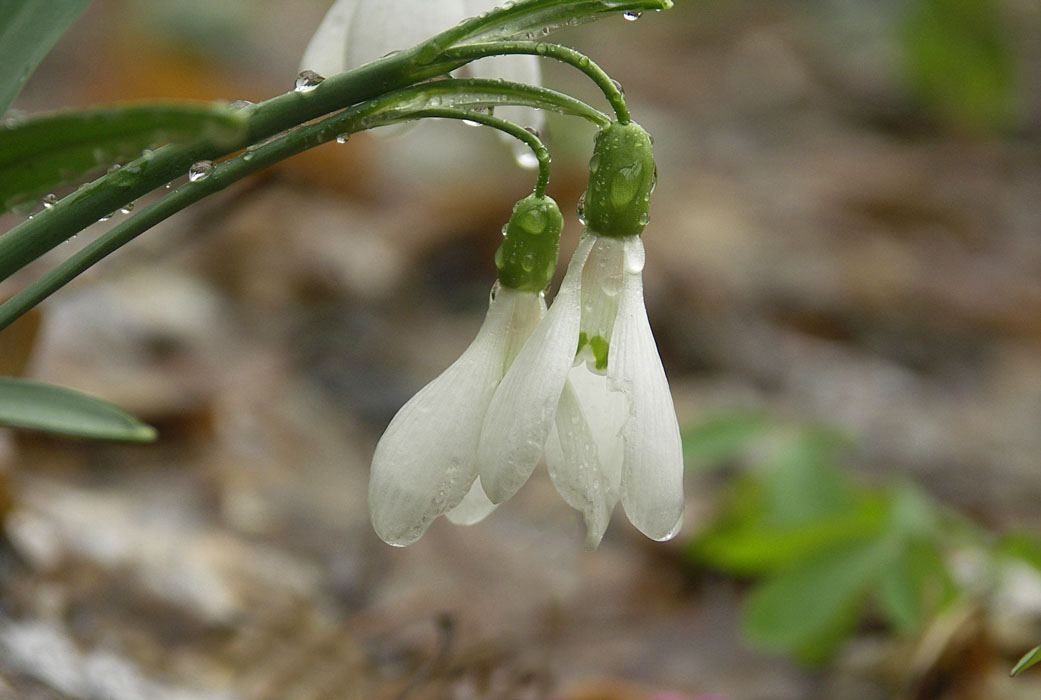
<point x="40" y="153"/>
<point x="54" y="409"/>
<point x="29" y="29"/>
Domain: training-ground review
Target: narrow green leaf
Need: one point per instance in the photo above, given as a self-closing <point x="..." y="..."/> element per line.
<point x="1031" y="658"/>
<point x="720" y="438"/>
<point x="54" y="409"/>
<point x="808" y="608"/>
<point x="40" y="153"/>
<point x="29" y="29"/>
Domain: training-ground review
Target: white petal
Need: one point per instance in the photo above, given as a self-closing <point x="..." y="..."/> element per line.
<point x="381" y="27"/>
<point x="578" y="448"/>
<point x="523" y="408"/>
<point x="425" y="462"/>
<point x="474" y="507"/>
<point x="326" y="54"/>
<point x="652" y="468"/>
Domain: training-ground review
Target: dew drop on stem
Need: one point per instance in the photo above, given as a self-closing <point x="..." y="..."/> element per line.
<point x="200" y="171"/>
<point x="632" y="15"/>
<point x="307" y="80"/>
<point x="49" y="201"/>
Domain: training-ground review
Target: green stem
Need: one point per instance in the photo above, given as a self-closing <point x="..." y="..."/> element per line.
<point x="517" y="132"/>
<point x="34" y="237"/>
<point x="224" y="174"/>
<point x="472" y="52"/>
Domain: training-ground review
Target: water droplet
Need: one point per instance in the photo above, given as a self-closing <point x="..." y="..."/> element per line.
<point x="477" y="110"/>
<point x="127" y="208"/>
<point x="580" y="209"/>
<point x="632" y="15"/>
<point x="594" y="163"/>
<point x="240" y="104"/>
<point x="645" y="219"/>
<point x="49" y="201"/>
<point x="528" y="262"/>
<point x="113" y="168"/>
<point x="505" y="228"/>
<point x="106" y="217"/>
<point x="200" y="170"/>
<point x="534" y="221"/>
<point x="307" y="80"/>
<point x="343" y="138"/>
<point x="618" y="86"/>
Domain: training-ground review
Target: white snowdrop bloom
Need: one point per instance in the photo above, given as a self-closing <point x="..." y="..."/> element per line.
<point x="588" y="387"/>
<point x="356" y="32"/>
<point x="605" y="415"/>
<point x="425" y="465"/>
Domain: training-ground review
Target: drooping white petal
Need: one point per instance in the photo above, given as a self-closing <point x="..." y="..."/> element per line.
<point x="652" y="467"/>
<point x="474" y="507"/>
<point x="584" y="452"/>
<point x="380" y="27"/>
<point x="523" y="408"/>
<point x="326" y="54"/>
<point x="425" y="462"/>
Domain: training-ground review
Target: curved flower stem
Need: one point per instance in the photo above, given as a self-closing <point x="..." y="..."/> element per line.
<point x="358" y="118"/>
<point x="517" y="132"/>
<point x="470" y="93"/>
<point x="472" y="52"/>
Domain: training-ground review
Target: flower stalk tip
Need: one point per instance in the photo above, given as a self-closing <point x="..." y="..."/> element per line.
<point x="622" y="175"/>
<point x="527" y="258"/>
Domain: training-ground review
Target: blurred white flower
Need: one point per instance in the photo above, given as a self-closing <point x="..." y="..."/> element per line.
<point x="425" y="465"/>
<point x="356" y="32"/>
<point x="605" y="415"/>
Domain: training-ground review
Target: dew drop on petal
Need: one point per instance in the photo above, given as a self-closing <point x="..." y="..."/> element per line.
<point x="200" y="171"/>
<point x="343" y="138"/>
<point x="307" y="80"/>
<point x="580" y="209"/>
<point x="127" y="208"/>
<point x="49" y="201"/>
<point x="632" y="15"/>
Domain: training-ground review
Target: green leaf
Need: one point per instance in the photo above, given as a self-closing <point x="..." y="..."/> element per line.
<point x="40" y="153"/>
<point x="802" y="482"/>
<point x="29" y="29"/>
<point x="54" y="409"/>
<point x="1022" y="545"/>
<point x="1029" y="659"/>
<point x="754" y="546"/>
<point x="915" y="585"/>
<point x="721" y="438"/>
<point x="808" y="609"/>
<point x="959" y="63"/>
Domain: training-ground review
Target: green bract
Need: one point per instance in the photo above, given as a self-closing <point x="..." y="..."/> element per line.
<point x="622" y="174"/>
<point x="527" y="257"/>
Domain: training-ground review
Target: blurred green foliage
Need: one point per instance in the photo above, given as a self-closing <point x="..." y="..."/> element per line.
<point x="959" y="64"/>
<point x="826" y="550"/>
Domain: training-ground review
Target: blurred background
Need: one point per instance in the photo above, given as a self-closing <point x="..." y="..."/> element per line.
<point x="844" y="278"/>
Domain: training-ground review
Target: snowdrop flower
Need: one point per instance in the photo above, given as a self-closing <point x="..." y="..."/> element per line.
<point x="425" y="465"/>
<point x="603" y="414"/>
<point x="356" y="32"/>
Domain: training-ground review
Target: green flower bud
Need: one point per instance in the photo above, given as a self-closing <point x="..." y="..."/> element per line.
<point x="622" y="175"/>
<point x="527" y="257"/>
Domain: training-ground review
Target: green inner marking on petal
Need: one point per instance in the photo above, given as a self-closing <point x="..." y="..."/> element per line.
<point x="599" y="346"/>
